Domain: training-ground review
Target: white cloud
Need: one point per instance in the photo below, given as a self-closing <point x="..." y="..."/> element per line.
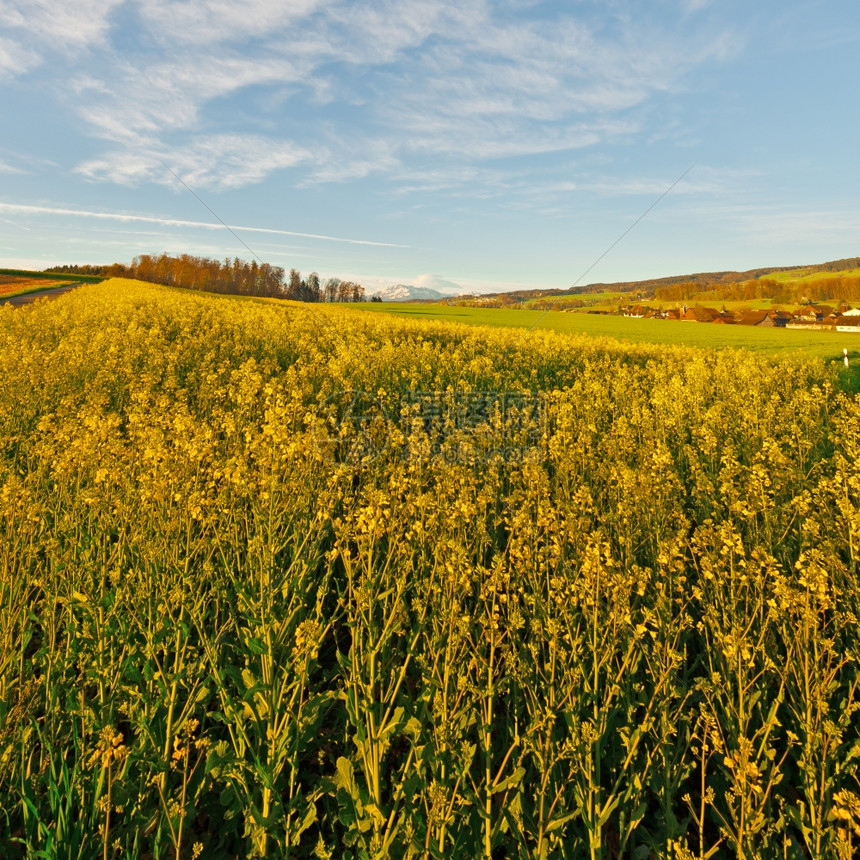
<point x="8" y="168"/>
<point x="15" y="59"/>
<point x="434" y="282"/>
<point x="204" y="22"/>
<point x="170" y="94"/>
<point x="466" y="81"/>
<point x="797" y="227"/>
<point x="220" y="162"/>
<point x="374" y="282"/>
<point x="489" y="88"/>
<point x="700" y="180"/>
<point x="485" y="285"/>
<point x="695" y="5"/>
<point x="15" y="224"/>
<point x="785" y="225"/>
<point x="64" y="25"/>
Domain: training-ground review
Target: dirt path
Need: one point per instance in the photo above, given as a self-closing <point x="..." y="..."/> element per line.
<point x="27" y="298"/>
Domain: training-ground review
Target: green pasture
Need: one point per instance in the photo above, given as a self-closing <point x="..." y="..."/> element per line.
<point x="611" y="301"/>
<point x="613" y="296"/>
<point x="777" y="342"/>
<point x="52" y="276"/>
<point x="800" y="275"/>
<point x="822" y="344"/>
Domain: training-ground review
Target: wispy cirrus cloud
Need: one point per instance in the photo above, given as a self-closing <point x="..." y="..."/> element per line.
<point x="62" y="25"/>
<point x="219" y="161"/>
<point x="8" y="168"/>
<point x="787" y="226"/>
<point x="207" y="22"/>
<point x="702" y="180"/>
<point x="365" y="87"/>
<point x="125" y="217"/>
<point x="695" y="5"/>
<point x="171" y="93"/>
<point x="15" y="59"/>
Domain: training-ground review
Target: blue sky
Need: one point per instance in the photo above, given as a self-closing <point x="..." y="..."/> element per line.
<point x="478" y="145"/>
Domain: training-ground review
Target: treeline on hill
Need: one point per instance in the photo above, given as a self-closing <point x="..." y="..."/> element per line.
<point x="235" y="277"/>
<point x="239" y="277"/>
<point x="114" y="270"/>
<point x="841" y="288"/>
<point x="711" y="281"/>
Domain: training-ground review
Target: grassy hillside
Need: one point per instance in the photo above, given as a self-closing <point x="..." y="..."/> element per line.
<point x="800" y="275"/>
<point x="19" y="282"/>
<point x="832" y="280"/>
<point x="822" y="344"/>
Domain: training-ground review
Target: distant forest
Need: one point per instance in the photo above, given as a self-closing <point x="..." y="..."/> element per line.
<point x="235" y="277"/>
<point x="844" y="287"/>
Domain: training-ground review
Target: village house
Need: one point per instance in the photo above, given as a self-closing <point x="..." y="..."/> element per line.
<point x="813" y="313"/>
<point x="700" y="314"/>
<point x="765" y="319"/>
<point x="636" y="311"/>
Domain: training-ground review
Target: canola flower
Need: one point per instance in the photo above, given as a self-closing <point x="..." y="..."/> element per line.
<point x="290" y="582"/>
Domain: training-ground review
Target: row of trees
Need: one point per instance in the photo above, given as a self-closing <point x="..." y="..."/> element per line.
<point x="114" y="270"/>
<point x="237" y="277"/>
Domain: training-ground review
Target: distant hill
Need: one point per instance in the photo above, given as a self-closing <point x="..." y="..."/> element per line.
<point x="710" y="279"/>
<point x="407" y="293"/>
<point x="834" y="279"/>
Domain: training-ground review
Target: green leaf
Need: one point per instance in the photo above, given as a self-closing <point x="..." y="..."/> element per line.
<point x="560" y="820"/>
<point x="514" y="779"/>
<point x="393" y="724"/>
<point x="608" y="809"/>
<point x="249" y="679"/>
<point x="256" y="646"/>
<point x="307" y="820"/>
<point x="637" y="815"/>
<point x="413" y="727"/>
<point x="375" y="813"/>
<point x="345" y="777"/>
<point x="346" y="815"/>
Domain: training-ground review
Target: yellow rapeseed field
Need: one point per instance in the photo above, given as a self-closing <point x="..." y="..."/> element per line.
<point x="290" y="581"/>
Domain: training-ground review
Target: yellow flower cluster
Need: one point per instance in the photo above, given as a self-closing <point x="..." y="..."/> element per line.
<point x="276" y="576"/>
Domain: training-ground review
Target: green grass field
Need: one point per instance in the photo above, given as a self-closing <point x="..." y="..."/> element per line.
<point x="53" y="276"/>
<point x="613" y="297"/>
<point x="611" y="301"/>
<point x="822" y="344"/>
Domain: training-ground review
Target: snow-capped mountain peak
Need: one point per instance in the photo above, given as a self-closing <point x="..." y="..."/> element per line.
<point x="406" y="292"/>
